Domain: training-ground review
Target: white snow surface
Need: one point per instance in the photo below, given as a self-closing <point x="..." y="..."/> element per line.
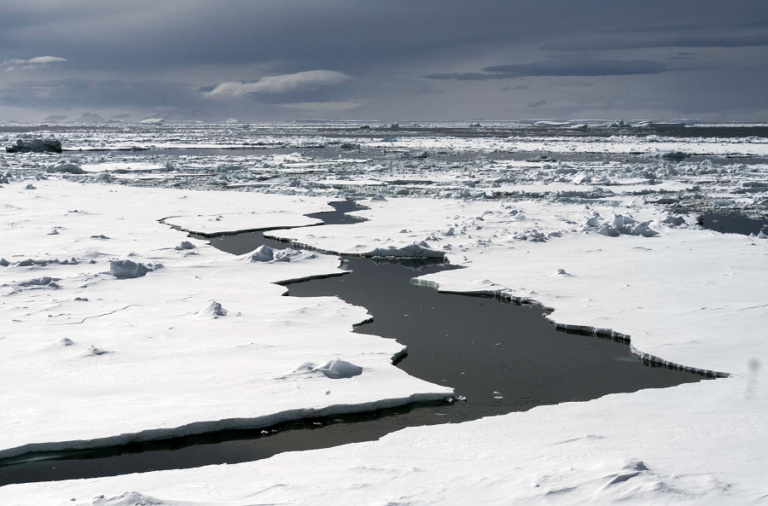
<point x="153" y="356"/>
<point x="687" y="296"/>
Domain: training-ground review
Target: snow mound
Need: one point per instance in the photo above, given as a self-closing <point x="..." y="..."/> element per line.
<point x="44" y="281"/>
<point x="35" y="146"/>
<point x="674" y="221"/>
<point x="95" y="352"/>
<point x="127" y="499"/>
<point x="125" y="269"/>
<point x="333" y="369"/>
<point x="378" y="198"/>
<point x="65" y="168"/>
<point x="261" y="254"/>
<point x="620" y="225"/>
<point x="185" y="245"/>
<point x="292" y="255"/>
<point x="410" y="251"/>
<point x="267" y="254"/>
<point x="214" y="310"/>
<point x="340" y="369"/>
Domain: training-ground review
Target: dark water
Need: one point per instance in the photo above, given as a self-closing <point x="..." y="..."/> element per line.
<point x="500" y="357"/>
<point x="733" y="223"/>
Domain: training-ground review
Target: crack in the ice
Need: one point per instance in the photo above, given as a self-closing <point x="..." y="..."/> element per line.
<point x="94" y="316"/>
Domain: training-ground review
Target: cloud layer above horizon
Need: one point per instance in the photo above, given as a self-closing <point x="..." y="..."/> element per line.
<point x="390" y="60"/>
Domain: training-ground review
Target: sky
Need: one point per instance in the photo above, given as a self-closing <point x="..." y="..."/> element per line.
<point x="384" y="60"/>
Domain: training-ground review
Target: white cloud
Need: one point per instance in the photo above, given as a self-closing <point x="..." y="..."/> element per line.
<point x="32" y="63"/>
<point x="46" y="59"/>
<point x="286" y="83"/>
<point x="323" y="106"/>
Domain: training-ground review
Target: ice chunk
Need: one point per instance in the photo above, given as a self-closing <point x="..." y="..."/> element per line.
<point x="126" y="269"/>
<point x="44" y="281"/>
<point x="35" y="146"/>
<point x="292" y="255"/>
<point x="643" y="229"/>
<point x="65" y="168"/>
<point x="608" y="230"/>
<point x="675" y="155"/>
<point x="410" y="251"/>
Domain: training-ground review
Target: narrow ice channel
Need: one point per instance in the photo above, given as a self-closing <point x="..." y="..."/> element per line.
<point x="498" y="357"/>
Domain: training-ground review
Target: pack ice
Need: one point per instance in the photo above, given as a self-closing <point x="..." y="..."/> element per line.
<point x="207" y="339"/>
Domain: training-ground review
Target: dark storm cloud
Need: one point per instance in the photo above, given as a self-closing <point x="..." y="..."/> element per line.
<point x="560" y="67"/>
<point x="340" y="35"/>
<point x="678" y="41"/>
<point x="174" y="53"/>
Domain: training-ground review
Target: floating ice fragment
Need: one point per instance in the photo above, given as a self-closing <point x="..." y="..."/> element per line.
<point x="35" y="146"/>
<point x="675" y="155"/>
<point x="126" y="269"/>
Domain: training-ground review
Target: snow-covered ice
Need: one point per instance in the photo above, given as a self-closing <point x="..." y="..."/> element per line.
<point x="610" y="246"/>
<point x="149" y="353"/>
